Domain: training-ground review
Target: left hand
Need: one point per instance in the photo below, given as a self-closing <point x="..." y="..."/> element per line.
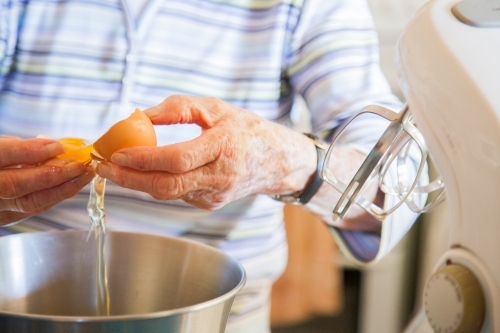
<point x="33" y="179"/>
<point x="237" y="154"/>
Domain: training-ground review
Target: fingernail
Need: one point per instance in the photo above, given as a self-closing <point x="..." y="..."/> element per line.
<point x="120" y="158"/>
<point x="152" y="112"/>
<point x="73" y="169"/>
<point x="53" y="149"/>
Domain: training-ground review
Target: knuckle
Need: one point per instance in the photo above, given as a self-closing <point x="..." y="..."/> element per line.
<point x="216" y="105"/>
<point x="9" y="187"/>
<point x="219" y="200"/>
<point x="177" y="101"/>
<point x="175" y="98"/>
<point x="155" y="191"/>
<point x="180" y="161"/>
<point x="163" y="188"/>
<point x="26" y="204"/>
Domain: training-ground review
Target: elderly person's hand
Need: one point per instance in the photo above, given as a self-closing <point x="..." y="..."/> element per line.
<point x="32" y="180"/>
<point x="237" y="154"/>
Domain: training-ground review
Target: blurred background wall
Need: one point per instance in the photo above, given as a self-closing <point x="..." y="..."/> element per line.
<point x="344" y="298"/>
<point x="390" y="18"/>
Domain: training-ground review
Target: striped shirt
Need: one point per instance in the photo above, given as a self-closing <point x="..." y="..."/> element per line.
<point x="75" y="67"/>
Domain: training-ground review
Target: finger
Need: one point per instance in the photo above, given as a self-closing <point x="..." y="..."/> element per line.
<point x="10" y="217"/>
<point x="197" y="188"/>
<point x="40" y="200"/>
<point x="181" y="109"/>
<point x="160" y="185"/>
<point x="28" y="151"/>
<point x="176" y="158"/>
<point x="16" y="183"/>
<point x="9" y="137"/>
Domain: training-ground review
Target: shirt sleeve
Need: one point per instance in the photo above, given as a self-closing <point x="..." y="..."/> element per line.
<point x="333" y="62"/>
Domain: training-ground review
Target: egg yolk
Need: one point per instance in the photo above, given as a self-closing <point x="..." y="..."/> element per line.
<point x="76" y="148"/>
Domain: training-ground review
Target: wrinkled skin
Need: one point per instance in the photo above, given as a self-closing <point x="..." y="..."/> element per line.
<point x="237" y="154"/>
<point x="32" y="180"/>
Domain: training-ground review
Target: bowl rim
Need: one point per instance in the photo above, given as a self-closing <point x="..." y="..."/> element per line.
<point x="142" y="316"/>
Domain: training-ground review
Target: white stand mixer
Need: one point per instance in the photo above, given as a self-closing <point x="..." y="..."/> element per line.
<point x="449" y="64"/>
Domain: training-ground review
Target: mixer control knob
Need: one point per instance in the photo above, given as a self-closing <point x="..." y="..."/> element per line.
<point x="454" y="301"/>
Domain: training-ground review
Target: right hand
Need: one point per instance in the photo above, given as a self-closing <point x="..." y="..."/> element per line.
<point x="32" y="180"/>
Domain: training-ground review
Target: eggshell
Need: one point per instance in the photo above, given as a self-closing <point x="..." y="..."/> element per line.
<point x="136" y="130"/>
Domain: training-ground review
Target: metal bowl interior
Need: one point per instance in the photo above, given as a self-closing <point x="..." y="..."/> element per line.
<point x="51" y="276"/>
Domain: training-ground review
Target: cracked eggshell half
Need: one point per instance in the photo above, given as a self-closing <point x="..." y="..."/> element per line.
<point x="136" y="130"/>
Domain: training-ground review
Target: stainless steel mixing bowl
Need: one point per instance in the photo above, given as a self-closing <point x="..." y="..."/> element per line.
<point x="156" y="284"/>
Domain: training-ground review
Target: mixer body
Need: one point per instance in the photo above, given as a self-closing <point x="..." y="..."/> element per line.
<point x="449" y="72"/>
